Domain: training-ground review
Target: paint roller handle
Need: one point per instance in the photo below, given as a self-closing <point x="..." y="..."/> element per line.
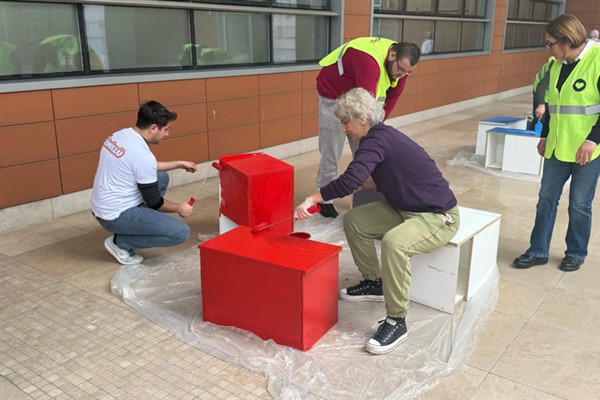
<point x="192" y="201"/>
<point x="314" y="209"/>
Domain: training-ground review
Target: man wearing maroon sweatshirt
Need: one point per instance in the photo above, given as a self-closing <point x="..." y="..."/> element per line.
<point x="379" y="65"/>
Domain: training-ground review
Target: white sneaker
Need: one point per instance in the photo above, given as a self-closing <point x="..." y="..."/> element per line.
<point x="125" y="257"/>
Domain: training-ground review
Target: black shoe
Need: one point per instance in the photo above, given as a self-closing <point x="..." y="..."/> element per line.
<point x="389" y="335"/>
<point x="527" y="261"/>
<point x="328" y="210"/>
<point x="366" y="290"/>
<point x="569" y="264"/>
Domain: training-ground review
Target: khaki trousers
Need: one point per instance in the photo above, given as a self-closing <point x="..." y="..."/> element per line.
<point x="404" y="235"/>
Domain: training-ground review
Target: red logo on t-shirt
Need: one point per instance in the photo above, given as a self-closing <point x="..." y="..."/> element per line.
<point x="114" y="148"/>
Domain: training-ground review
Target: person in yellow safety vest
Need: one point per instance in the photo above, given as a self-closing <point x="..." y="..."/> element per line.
<point x="569" y="143"/>
<point x="204" y="55"/>
<point x="540" y="87"/>
<point x="379" y="65"/>
<point x="10" y="64"/>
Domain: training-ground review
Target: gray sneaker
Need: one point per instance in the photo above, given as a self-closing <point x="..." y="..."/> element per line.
<point x="125" y="257"/>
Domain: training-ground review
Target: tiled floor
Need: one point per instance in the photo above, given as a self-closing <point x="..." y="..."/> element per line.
<point x="64" y="335"/>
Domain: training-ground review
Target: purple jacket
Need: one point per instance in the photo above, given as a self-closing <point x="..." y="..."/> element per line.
<point x="403" y="172"/>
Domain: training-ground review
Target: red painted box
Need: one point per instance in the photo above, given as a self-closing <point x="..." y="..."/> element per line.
<point x="277" y="286"/>
<point x="257" y="188"/>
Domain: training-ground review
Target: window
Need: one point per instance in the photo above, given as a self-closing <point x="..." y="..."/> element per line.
<point x="526" y="22"/>
<point x="438" y="26"/>
<point x="51" y="39"/>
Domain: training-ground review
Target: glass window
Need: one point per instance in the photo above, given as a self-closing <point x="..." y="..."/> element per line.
<point x="223" y="38"/>
<point x="298" y="38"/>
<point x="471" y="38"/>
<point x="419" y="32"/>
<point x="527" y="20"/>
<point x="38" y="38"/>
<point x="388" y="28"/>
<point x="134" y="37"/>
<point x="389" y="5"/>
<point x="419" y="6"/>
<point x="447" y="36"/>
<point x="452" y="7"/>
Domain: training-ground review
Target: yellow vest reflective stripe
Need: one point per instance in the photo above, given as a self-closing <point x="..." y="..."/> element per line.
<point x="575" y="110"/>
<point x="375" y="47"/>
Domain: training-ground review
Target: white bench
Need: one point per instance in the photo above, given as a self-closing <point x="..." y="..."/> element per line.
<point x="513" y="150"/>
<point x="455" y="272"/>
<point x="485" y="125"/>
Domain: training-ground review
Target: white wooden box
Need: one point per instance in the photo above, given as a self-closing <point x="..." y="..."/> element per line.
<point x="494" y="122"/>
<point x="455" y="272"/>
<point x="513" y="150"/>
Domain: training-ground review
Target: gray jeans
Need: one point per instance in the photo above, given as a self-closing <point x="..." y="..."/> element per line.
<point x="331" y="143"/>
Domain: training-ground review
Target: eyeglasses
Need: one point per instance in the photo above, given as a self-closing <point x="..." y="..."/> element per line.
<point x="550" y="44"/>
<point x="401" y="70"/>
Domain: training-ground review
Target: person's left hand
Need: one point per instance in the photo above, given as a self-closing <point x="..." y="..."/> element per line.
<point x="585" y="151"/>
<point x="189" y="166"/>
<point x="302" y="210"/>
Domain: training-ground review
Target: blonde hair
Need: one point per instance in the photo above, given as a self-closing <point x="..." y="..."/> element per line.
<point x="567" y="29"/>
<point x="359" y="106"/>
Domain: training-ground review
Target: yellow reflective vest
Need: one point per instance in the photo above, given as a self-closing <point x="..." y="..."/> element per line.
<point x="375" y="47"/>
<point x="575" y="110"/>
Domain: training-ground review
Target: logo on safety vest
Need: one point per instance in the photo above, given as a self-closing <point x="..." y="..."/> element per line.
<point x="579" y="85"/>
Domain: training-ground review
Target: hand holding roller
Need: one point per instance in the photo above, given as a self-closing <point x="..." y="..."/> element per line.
<point x="263" y="225"/>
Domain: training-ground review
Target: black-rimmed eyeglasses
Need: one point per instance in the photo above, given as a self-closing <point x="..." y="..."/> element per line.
<point x="550" y="44"/>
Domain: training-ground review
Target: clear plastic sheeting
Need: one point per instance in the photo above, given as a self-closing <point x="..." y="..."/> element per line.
<point x="467" y="158"/>
<point x="166" y="290"/>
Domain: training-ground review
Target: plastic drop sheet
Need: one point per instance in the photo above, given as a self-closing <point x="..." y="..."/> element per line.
<point x="166" y="290"/>
<point x="467" y="158"/>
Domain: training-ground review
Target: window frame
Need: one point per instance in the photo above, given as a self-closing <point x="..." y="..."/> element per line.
<point x="528" y="21"/>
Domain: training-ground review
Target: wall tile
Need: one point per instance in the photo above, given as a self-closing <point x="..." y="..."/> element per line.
<point x="356" y="26"/>
<point x="174" y="93"/>
<point x="86" y="134"/>
<point x="95" y="100"/>
<point x="232" y="113"/>
<point x="310" y="125"/>
<point x="281" y="131"/>
<point x="191" y="120"/>
<point x="77" y="172"/>
<point x="233" y="141"/>
<point x="23" y="144"/>
<point x="360" y="7"/>
<point x="310" y="101"/>
<point x="231" y="88"/>
<point x="278" y="106"/>
<point x="189" y="148"/>
<point x="280" y="83"/>
<point x="29" y="182"/>
<point x="309" y="79"/>
<point x="25" y="107"/>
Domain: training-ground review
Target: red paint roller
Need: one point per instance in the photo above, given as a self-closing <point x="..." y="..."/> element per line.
<point x="263" y="225"/>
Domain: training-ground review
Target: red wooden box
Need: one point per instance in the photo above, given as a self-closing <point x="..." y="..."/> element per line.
<point x="277" y="286"/>
<point x="257" y="188"/>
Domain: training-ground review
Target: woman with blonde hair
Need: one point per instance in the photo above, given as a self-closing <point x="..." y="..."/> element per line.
<point x="419" y="212"/>
<point x="569" y="143"/>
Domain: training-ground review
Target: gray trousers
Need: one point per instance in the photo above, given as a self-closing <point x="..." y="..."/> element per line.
<point x="331" y="143"/>
<point x="405" y="234"/>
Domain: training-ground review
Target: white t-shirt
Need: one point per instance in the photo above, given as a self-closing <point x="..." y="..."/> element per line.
<point x="125" y="161"/>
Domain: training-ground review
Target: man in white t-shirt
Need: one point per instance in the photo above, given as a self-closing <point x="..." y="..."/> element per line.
<point x="130" y="184"/>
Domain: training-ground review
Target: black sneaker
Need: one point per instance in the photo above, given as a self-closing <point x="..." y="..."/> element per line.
<point x="366" y="290"/>
<point x="328" y="210"/>
<point x="389" y="335"/>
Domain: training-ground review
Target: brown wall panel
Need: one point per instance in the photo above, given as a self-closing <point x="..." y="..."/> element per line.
<point x="174" y="93"/>
<point x="232" y="113"/>
<point x="23" y="144"/>
<point x="278" y="106"/>
<point x="233" y="141"/>
<point x="310" y="101"/>
<point x="357" y="7"/>
<point x="86" y="134"/>
<point x="191" y="120"/>
<point x="29" y="182"/>
<point x="25" y="107"/>
<point x="356" y="26"/>
<point x="280" y="131"/>
<point x="189" y="148"/>
<point x="231" y="88"/>
<point x="280" y="83"/>
<point x="77" y="172"/>
<point x="94" y="100"/>
<point x="310" y="125"/>
<point x="406" y="104"/>
<point x="309" y="79"/>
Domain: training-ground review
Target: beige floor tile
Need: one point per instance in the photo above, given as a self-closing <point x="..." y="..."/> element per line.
<point x="494" y="387"/>
<point x="458" y="386"/>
